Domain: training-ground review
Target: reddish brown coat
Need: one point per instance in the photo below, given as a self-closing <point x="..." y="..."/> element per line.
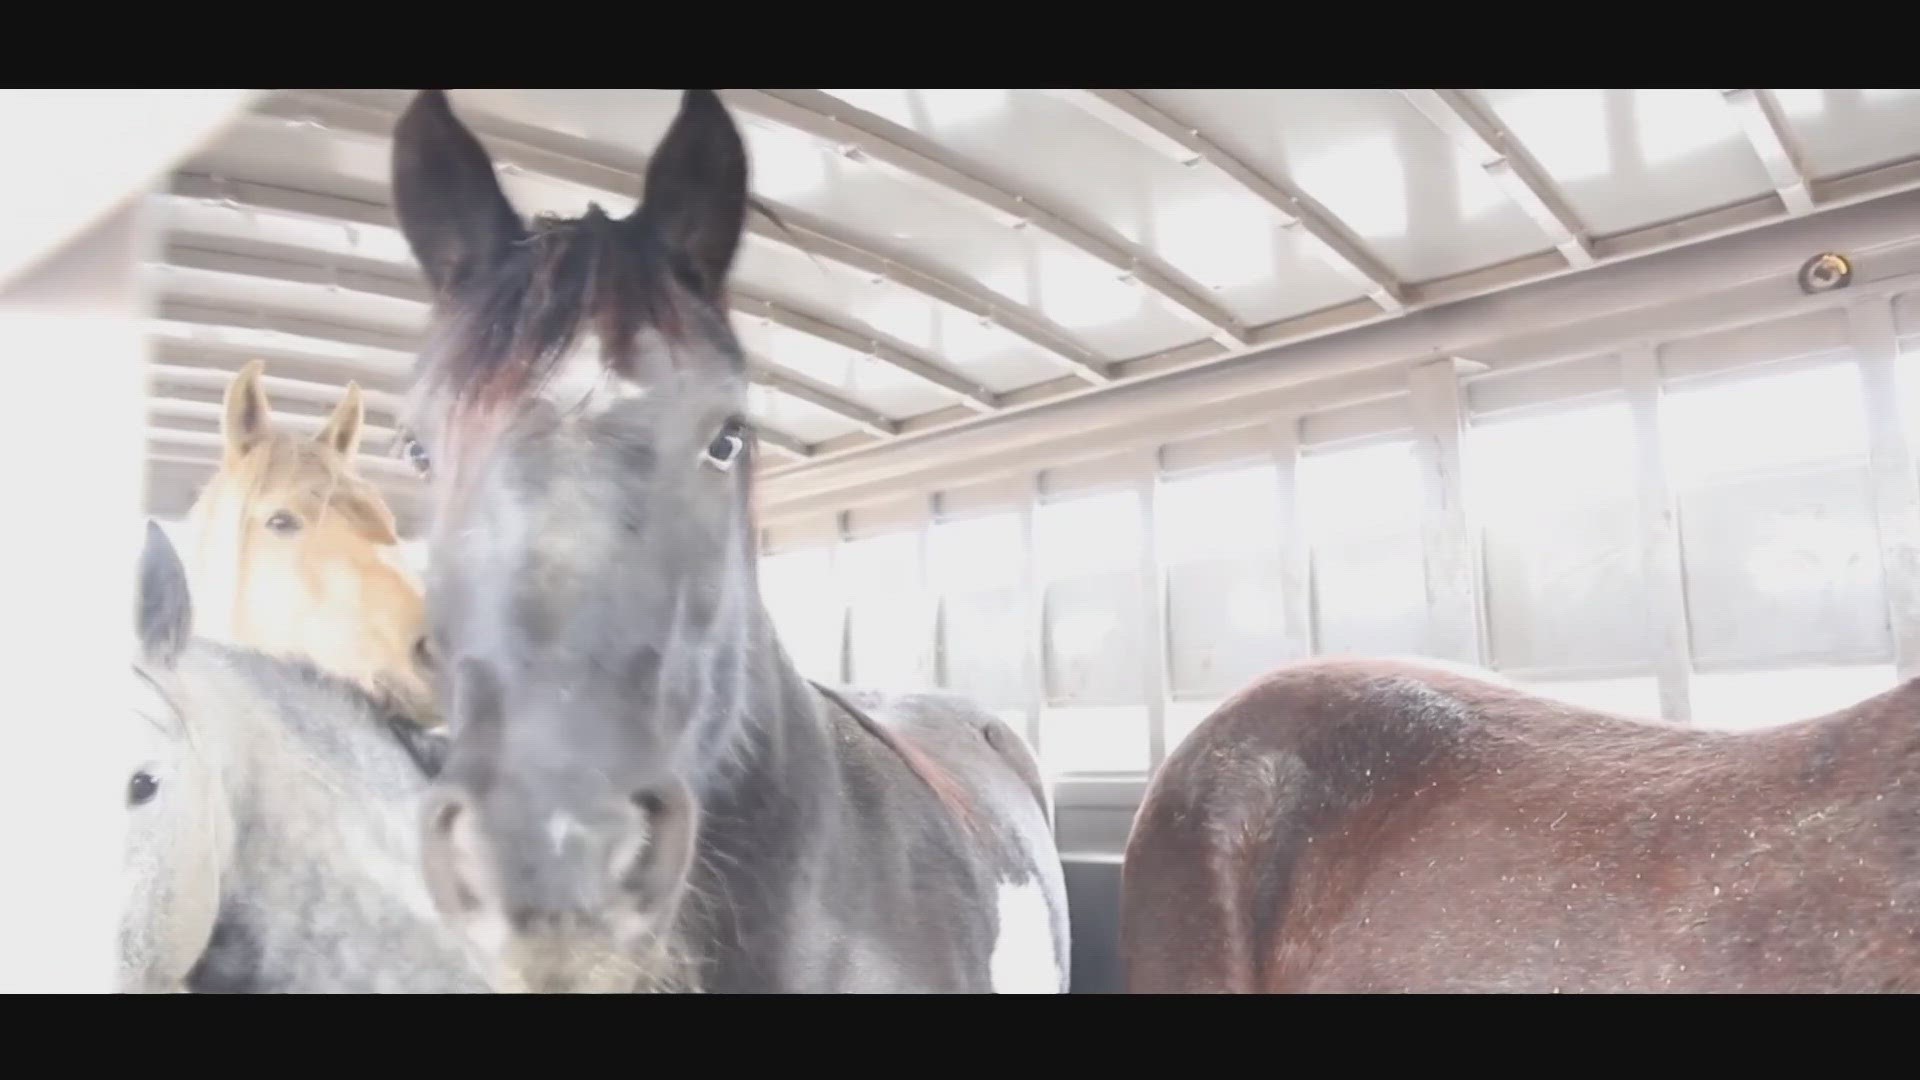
<point x="1357" y="825"/>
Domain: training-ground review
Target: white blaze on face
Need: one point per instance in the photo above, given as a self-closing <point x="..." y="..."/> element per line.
<point x="1023" y="959"/>
<point x="561" y="827"/>
<point x="582" y="385"/>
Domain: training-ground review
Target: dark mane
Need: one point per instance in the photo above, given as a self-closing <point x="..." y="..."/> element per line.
<point x="502" y="334"/>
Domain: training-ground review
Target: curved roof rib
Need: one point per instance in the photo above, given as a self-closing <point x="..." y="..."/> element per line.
<point x="899" y="337"/>
<point x="215" y="314"/>
<point x="1773" y="143"/>
<point x="868" y="342"/>
<point x="204" y="254"/>
<point x="216" y="317"/>
<point x="871" y="421"/>
<point x="915" y="157"/>
<point x="1510" y="166"/>
<point x="189" y="437"/>
<point x="1132" y="115"/>
<point x="612" y="176"/>
<point x="210" y="254"/>
<point x="783" y="442"/>
<point x="295" y="397"/>
<point x="809" y="234"/>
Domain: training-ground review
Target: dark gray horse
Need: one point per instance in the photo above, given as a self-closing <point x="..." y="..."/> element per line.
<point x="272" y="822"/>
<point x="641" y="792"/>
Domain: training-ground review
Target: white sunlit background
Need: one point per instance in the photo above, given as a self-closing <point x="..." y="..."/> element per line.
<point x="1781" y="585"/>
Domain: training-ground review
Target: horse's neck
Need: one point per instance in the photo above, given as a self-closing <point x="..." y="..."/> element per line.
<point x="769" y="803"/>
<point x="324" y="890"/>
<point x="783" y="741"/>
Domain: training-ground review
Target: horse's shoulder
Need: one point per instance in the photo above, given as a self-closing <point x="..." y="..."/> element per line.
<point x="929" y="785"/>
<point x="1388" y="705"/>
<point x="932" y="708"/>
<point x="876" y="731"/>
<point x="937" y="722"/>
<point x="1327" y="732"/>
<point x="972" y="739"/>
<point x="976" y="764"/>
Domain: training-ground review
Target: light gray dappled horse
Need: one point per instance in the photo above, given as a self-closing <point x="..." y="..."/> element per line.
<point x="273" y="821"/>
<point x="641" y="789"/>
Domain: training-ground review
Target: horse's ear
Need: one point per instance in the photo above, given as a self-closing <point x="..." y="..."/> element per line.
<point x="451" y="209"/>
<point x="343" y="427"/>
<point x="164" y="613"/>
<point x="696" y="195"/>
<point x="249" y="417"/>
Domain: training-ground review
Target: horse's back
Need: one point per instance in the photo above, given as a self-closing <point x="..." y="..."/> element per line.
<point x="1216" y="845"/>
<point x="1367" y="825"/>
<point x="988" y="808"/>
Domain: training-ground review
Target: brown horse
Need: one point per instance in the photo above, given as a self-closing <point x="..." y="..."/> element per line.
<point x="1378" y="826"/>
<point x="297" y="554"/>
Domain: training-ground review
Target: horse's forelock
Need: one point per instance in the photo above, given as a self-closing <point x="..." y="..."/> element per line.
<point x="494" y="347"/>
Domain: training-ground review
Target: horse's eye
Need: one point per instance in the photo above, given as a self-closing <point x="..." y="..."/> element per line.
<point x="142" y="788"/>
<point x="417" y="456"/>
<point x="726" y="447"/>
<point x="283" y="523"/>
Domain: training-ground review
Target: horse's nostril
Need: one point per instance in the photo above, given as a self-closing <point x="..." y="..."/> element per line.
<point x="653" y="868"/>
<point x="443" y="859"/>
<point x="446" y="810"/>
<point x="423" y="653"/>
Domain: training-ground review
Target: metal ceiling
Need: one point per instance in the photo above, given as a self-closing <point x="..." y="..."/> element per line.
<point x="946" y="257"/>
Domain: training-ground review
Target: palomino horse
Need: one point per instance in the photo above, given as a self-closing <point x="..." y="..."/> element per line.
<point x="642" y="792"/>
<point x="273" y="836"/>
<point x="294" y="553"/>
<point x="1376" y="826"/>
